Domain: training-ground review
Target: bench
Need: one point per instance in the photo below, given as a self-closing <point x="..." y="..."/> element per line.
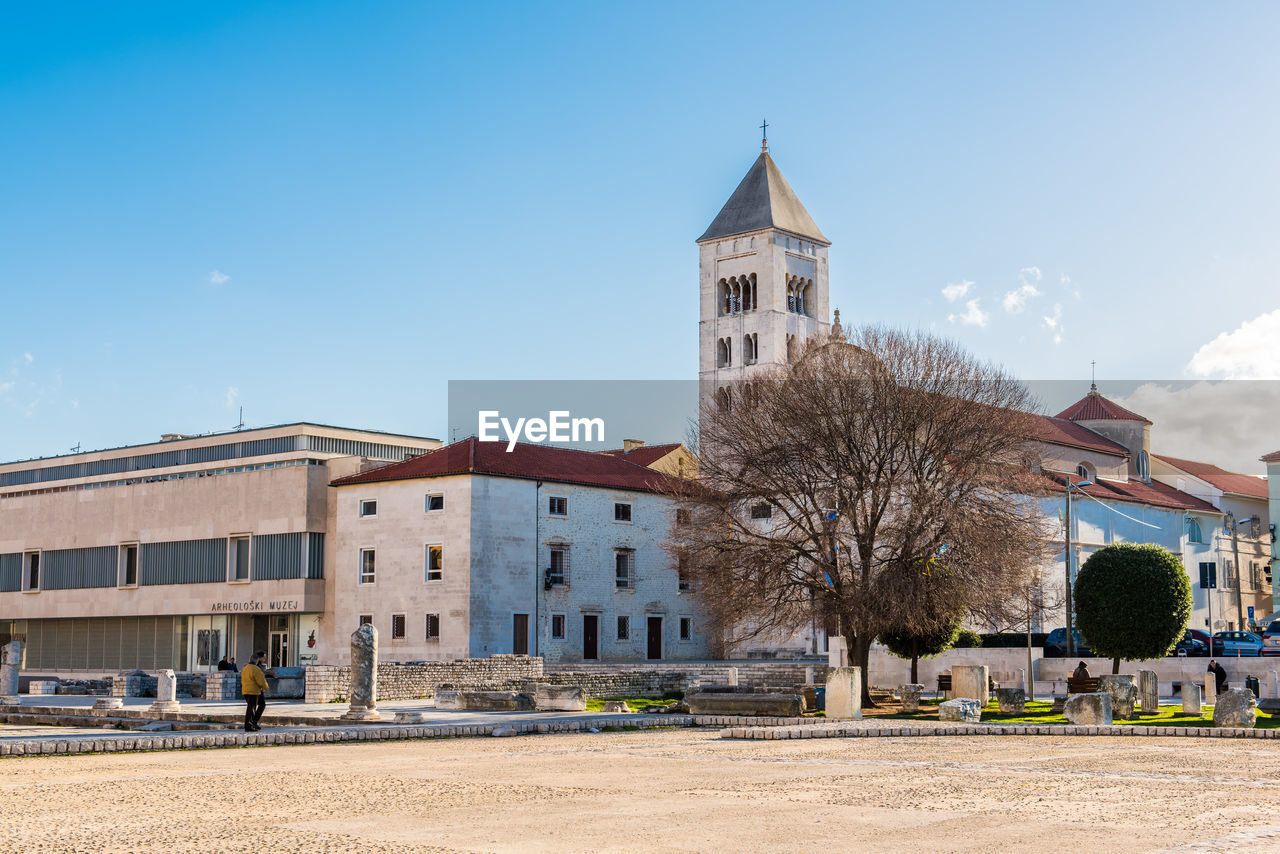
<point x="1082" y="686"/>
<point x="944" y="684"/>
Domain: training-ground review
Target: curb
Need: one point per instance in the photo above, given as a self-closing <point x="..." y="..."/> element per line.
<point x="789" y="732"/>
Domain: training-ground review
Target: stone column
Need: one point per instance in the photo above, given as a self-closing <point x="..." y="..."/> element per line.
<point x="364" y="675"/>
<point x="10" y="664"/>
<point x="1210" y="689"/>
<point x="1190" y="696"/>
<point x="1275" y="685"/>
<point x="733" y="677"/>
<point x="844" y="694"/>
<point x="808" y="675"/>
<point x="166" y="693"/>
<point x="1149" y="691"/>
<point x="970" y="680"/>
<point x="837" y="652"/>
<point x="1022" y="681"/>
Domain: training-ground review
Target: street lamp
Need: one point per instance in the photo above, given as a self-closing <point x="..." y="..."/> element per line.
<point x="1235" y="556"/>
<point x="1071" y="638"/>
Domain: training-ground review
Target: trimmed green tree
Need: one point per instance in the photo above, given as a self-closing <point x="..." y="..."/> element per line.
<point x="1132" y="602"/>
<point x="915" y="646"/>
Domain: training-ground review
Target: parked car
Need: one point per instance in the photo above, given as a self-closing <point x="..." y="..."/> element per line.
<point x="1237" y="643"/>
<point x="1055" y="645"/>
<point x="1271" y="638"/>
<point x="1190" y="645"/>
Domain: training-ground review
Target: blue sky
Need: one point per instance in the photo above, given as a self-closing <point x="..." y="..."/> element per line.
<point x="325" y="211"/>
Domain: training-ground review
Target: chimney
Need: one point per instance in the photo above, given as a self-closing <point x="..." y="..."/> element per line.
<point x="629" y="445"/>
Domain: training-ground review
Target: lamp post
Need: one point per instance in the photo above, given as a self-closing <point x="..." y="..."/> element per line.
<point x="1071" y="638"/>
<point x="1235" y="557"/>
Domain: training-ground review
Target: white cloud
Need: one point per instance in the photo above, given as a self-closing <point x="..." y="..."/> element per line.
<point x="1065" y="281"/>
<point x="6" y="387"/>
<point x="954" y="290"/>
<point x="1189" y="421"/>
<point x="28" y="358"/>
<point x="232" y="394"/>
<point x="218" y="277"/>
<point x="1032" y="273"/>
<point x="1015" y="301"/>
<point x="1054" y="323"/>
<point x="1251" y="352"/>
<point x="973" y="316"/>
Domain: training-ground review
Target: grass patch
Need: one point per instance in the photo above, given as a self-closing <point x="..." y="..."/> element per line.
<point x="1041" y="712"/>
<point x="636" y="704"/>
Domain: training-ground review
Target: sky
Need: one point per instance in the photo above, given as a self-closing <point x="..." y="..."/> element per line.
<point x="326" y="211"/>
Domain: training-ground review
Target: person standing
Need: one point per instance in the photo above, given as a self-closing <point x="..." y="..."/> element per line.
<point x="1219" y="675"/>
<point x="224" y="664"/>
<point x="253" y="684"/>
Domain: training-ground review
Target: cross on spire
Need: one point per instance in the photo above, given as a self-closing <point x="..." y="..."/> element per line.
<point x="764" y="135"/>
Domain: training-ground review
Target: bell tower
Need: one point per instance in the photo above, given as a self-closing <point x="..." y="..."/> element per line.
<point x="762" y="278"/>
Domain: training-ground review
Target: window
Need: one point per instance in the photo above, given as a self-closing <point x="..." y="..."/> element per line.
<point x="1144" y="466"/>
<point x="397" y="626"/>
<point x="1255" y="575"/>
<point x="129" y="565"/>
<point x="682" y="573"/>
<point x="1232" y="580"/>
<point x="368" y="507"/>
<point x="1084" y="471"/>
<point x="621" y="512"/>
<point x="624" y="628"/>
<point x="31" y="571"/>
<point x="686" y="628"/>
<point x="435" y="503"/>
<point x="435" y="563"/>
<point x="557" y="506"/>
<point x="623" y="563"/>
<point x="1194" y="532"/>
<point x="1208" y="575"/>
<point x="238" y="558"/>
<point x="683" y="516"/>
<point x="761" y="511"/>
<point x="557" y="626"/>
<point x="366" y="619"/>
<point x="367" y="566"/>
<point x="433" y="627"/>
<point x="558" y="570"/>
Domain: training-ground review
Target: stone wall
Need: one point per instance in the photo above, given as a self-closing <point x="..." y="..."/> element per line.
<point x="751" y="673"/>
<point x="326" y="683"/>
<point x="136" y="683"/>
<point x="223" y="685"/>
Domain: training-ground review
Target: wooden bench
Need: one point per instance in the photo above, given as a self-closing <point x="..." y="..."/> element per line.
<point x="1082" y="686"/>
<point x="944" y="683"/>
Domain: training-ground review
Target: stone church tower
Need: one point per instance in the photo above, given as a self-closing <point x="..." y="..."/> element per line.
<point x="763" y="279"/>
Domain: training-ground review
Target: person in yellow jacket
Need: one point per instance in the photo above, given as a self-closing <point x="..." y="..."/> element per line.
<point x="253" y="684"/>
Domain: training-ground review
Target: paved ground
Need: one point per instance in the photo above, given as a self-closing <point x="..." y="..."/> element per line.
<point x="673" y="790"/>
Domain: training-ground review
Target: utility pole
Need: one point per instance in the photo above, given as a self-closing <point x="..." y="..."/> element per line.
<point x="1071" y="638"/>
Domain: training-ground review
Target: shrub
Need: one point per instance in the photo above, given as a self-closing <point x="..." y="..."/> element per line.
<point x="1132" y="602"/>
<point x="968" y="639"/>
<point x="916" y="645"/>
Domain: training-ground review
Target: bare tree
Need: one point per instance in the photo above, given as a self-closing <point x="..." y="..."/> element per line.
<point x="864" y="483"/>
<point x="1037" y="597"/>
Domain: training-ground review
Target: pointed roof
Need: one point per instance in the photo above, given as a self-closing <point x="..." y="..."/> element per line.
<point x="764" y="199"/>
<point x="1094" y="407"/>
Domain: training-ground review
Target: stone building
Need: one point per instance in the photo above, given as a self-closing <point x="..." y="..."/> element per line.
<point x="173" y="553"/>
<point x="472" y="550"/>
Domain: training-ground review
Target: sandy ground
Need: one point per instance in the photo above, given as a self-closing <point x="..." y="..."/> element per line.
<point x="671" y="790"/>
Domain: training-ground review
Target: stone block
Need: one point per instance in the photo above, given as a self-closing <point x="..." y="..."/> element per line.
<point x="42" y="687"/>
<point x="837" y="653"/>
<point x="617" y="707"/>
<point x="1124" y="694"/>
<point x="762" y="705"/>
<point x="561" y="698"/>
<point x="1013" y="701"/>
<point x="970" y="680"/>
<point x="109" y="703"/>
<point x="1236" y="707"/>
<point x="844" y="693"/>
<point x="963" y="709"/>
<point x="1149" y="691"/>
<point x="1089" y="709"/>
<point x="166" y="693"/>
<point x="910" y="696"/>
<point x="1190" y="697"/>
<point x="495" y="701"/>
<point x="409" y="718"/>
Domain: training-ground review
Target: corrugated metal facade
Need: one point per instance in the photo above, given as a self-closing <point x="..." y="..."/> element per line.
<point x="105" y="643"/>
<point x="10" y="572"/>
<point x="183" y="562"/>
<point x="67" y="569"/>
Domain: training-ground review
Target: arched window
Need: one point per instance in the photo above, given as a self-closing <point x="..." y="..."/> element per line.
<point x="723" y="398"/>
<point x="800" y="297"/>
<point x="791" y="296"/>
<point x="747" y="295"/>
<point x="1084" y="471"/>
<point x="1194" y="533"/>
<point x="755" y="293"/>
<point x="722" y="353"/>
<point x="791" y="349"/>
<point x="736" y="304"/>
<point x="726" y="298"/>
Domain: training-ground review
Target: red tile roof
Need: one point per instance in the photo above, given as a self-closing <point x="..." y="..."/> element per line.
<point x="1095" y="407"/>
<point x="532" y="462"/>
<point x="1060" y="431"/>
<point x="1227" y="481"/>
<point x="1154" y="494"/>
<point x="645" y="455"/>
